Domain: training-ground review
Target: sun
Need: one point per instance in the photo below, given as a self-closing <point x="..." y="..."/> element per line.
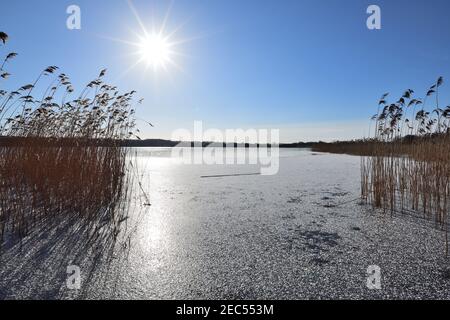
<point x="156" y="48"/>
<point x="155" y="51"/>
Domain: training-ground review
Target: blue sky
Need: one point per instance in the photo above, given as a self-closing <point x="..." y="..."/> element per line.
<point x="310" y="68"/>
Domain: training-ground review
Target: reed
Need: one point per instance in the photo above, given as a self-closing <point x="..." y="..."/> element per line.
<point x="405" y="166"/>
<point x="60" y="157"/>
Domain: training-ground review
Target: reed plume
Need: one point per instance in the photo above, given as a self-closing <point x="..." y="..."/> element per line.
<point x="405" y="166"/>
<point x="61" y="157"/>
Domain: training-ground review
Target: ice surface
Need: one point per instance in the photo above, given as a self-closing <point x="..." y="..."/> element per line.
<point x="300" y="234"/>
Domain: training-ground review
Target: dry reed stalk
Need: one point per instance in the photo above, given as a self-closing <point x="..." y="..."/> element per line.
<point x="63" y="160"/>
<point x="406" y="165"/>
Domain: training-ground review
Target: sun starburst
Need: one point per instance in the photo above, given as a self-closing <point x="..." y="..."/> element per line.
<point x="155" y="50"/>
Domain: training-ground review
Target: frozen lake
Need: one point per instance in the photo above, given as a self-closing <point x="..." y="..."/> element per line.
<point x="299" y="234"/>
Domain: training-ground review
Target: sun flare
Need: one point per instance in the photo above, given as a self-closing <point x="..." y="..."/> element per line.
<point x="155" y="51"/>
<point x="157" y="48"/>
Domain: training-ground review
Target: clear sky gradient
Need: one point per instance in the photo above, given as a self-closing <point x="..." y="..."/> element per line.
<point x="310" y="68"/>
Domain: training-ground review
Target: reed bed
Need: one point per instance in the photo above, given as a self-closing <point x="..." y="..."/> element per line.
<point x="61" y="158"/>
<point x="405" y="166"/>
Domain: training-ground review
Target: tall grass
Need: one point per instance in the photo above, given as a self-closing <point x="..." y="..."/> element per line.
<point x="60" y="157"/>
<point x="405" y="165"/>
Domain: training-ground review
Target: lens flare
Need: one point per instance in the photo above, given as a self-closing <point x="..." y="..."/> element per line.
<point x="155" y="51"/>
